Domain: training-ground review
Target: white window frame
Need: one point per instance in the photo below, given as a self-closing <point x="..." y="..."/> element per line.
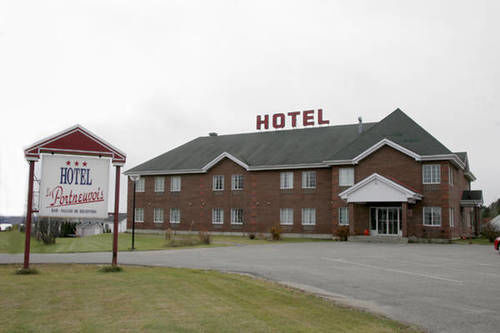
<point x="452" y="217"/>
<point x="175" y="183"/>
<point x="286" y="216"/>
<point x="215" y="182"/>
<point x="140" y="185"/>
<point x="346" y="176"/>
<point x="217" y="216"/>
<point x="237" y="182"/>
<point x="433" y="211"/>
<point x="450" y="175"/>
<point x="309" y="179"/>
<point x="237" y="216"/>
<point x="309" y="214"/>
<point x="139" y="217"/>
<point x="175" y="215"/>
<point x="344" y="221"/>
<point x="159" y="184"/>
<point x="158" y="215"/>
<point x="286" y="180"/>
<point x="435" y="174"/>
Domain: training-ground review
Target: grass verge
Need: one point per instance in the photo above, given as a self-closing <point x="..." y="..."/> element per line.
<point x="13" y="242"/>
<point x="73" y="298"/>
<point x="478" y="241"/>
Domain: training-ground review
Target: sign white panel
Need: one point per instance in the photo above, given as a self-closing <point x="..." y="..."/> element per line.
<point x="74" y="186"/>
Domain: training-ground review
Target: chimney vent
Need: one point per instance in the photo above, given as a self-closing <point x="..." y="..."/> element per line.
<point x="212" y="134"/>
<point x="360" y="126"/>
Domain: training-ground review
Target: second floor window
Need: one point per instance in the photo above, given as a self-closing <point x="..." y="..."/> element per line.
<point x="237" y="182"/>
<point x="159" y="184"/>
<point x="218" y="183"/>
<point x="346" y="176"/>
<point x="309" y="179"/>
<point x="140" y="185"/>
<point x="431" y="173"/>
<point x="286" y="180"/>
<point x="450" y="175"/>
<point x="175" y="184"/>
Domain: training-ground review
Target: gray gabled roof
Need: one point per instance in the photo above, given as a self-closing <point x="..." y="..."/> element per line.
<point x="295" y="147"/>
<point x="400" y="129"/>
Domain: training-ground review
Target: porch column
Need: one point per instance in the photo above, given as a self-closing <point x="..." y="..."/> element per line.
<point x="404" y="219"/>
<point x="351" y="219"/>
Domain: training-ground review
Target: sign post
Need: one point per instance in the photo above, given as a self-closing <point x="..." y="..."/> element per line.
<point x="74" y="179"/>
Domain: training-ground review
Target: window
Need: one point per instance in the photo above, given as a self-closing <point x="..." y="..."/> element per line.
<point x="175" y="184"/>
<point x="452" y="217"/>
<point x="286" y="216"/>
<point x="432" y="216"/>
<point x="346" y="176"/>
<point x="309" y="179"/>
<point x="237" y="182"/>
<point x="217" y="216"/>
<point x="159" y="184"/>
<point x="432" y="173"/>
<point x="344" y="216"/>
<point x="286" y="180"/>
<point x="139" y="215"/>
<point x="308" y="216"/>
<point x="218" y="183"/>
<point x="139" y="186"/>
<point x="450" y="175"/>
<point x="158" y="215"/>
<point x="236" y="216"/>
<point x="175" y="215"/>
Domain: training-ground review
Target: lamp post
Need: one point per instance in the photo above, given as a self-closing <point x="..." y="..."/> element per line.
<point x="133" y="178"/>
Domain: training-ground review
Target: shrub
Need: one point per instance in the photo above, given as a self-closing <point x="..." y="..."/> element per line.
<point x="169" y="234"/>
<point x="490" y="232"/>
<point x="276" y="232"/>
<point x="67" y="229"/>
<point x="204" y="237"/>
<point x="342" y="233"/>
<point x="27" y="271"/>
<point x="110" y="269"/>
<point x="251" y="236"/>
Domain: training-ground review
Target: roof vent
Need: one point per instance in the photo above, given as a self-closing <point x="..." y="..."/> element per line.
<point x="360" y="127"/>
<point x="212" y="134"/>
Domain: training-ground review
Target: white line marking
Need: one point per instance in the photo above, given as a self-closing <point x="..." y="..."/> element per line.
<point x="435" y="277"/>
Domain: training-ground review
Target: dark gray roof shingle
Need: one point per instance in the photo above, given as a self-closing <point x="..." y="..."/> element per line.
<point x="297" y="146"/>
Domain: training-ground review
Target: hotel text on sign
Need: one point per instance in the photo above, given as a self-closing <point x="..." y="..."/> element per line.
<point x="280" y="120"/>
<point x="74" y="186"/>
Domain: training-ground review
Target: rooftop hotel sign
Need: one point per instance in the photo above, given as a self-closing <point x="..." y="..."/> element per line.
<point x="74" y="186"/>
<point x="280" y="120"/>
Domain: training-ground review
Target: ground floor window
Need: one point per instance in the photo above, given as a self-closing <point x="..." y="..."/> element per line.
<point x="217" y="216"/>
<point x="286" y="216"/>
<point x="344" y="216"/>
<point x="158" y="215"/>
<point x="452" y="217"/>
<point x="308" y="216"/>
<point x="139" y="215"/>
<point x="236" y="216"/>
<point x="432" y="216"/>
<point x="175" y="215"/>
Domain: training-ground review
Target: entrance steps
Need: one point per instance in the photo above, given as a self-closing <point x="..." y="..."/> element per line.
<point x="379" y="239"/>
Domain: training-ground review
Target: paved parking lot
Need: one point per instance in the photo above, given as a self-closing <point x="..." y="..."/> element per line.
<point x="442" y="288"/>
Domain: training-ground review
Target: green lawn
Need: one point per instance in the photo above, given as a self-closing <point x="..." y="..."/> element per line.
<point x="13" y="242"/>
<point x="77" y="298"/>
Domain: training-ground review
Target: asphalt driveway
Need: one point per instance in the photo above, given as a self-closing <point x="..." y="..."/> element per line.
<point x="442" y="288"/>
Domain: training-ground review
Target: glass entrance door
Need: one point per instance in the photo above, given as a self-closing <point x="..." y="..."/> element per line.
<point x="385" y="221"/>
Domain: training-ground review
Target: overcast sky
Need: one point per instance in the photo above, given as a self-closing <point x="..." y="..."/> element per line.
<point x="148" y="76"/>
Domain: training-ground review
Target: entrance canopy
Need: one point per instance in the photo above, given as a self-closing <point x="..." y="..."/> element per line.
<point x="377" y="188"/>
